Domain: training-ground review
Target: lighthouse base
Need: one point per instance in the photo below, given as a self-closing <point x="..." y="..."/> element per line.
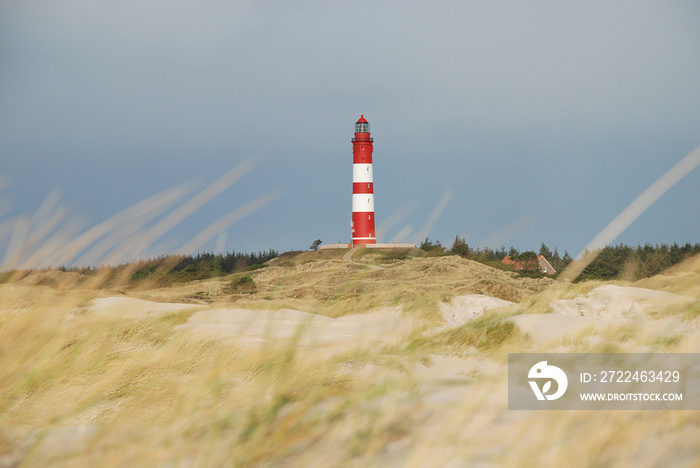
<point x="363" y="228"/>
<point x="363" y="241"/>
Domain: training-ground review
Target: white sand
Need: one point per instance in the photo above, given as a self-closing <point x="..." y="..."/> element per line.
<point x="280" y="327"/>
<point x="611" y="302"/>
<point x="547" y="327"/>
<point x="287" y="326"/>
<point x="464" y="308"/>
<point x="603" y="306"/>
<point x="136" y="308"/>
<point x="541" y="328"/>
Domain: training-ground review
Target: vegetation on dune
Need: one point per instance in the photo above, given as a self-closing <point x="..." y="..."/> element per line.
<point x="322" y="282"/>
<point x="82" y="389"/>
<point x="144" y="384"/>
<point x="486" y="333"/>
<point x="494" y="257"/>
<point x="160" y="271"/>
<point x="201" y="266"/>
<point x="644" y="261"/>
<point x="333" y="287"/>
<point x="383" y="256"/>
<point x="243" y="284"/>
<point x="612" y="262"/>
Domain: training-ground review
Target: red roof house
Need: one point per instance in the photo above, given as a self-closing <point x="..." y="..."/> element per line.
<point x="542" y="264"/>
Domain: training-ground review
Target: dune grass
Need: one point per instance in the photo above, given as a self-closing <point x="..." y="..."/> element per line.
<point x="84" y="389"/>
<point x="156" y="395"/>
<point x="485" y="334"/>
<point x="333" y="287"/>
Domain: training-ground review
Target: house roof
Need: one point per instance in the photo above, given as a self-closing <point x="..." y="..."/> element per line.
<point x="520" y="264"/>
<point x="508" y="261"/>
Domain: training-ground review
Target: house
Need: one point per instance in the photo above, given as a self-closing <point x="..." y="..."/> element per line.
<point x="542" y="263"/>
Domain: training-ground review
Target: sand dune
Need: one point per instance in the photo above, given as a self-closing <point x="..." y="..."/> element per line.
<point x="135" y="308"/>
<point x="602" y="306"/>
<point x="610" y="302"/>
<point x="287" y="326"/>
<point x="463" y="308"/>
<point x="277" y="327"/>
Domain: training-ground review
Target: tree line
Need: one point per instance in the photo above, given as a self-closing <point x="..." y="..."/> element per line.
<point x="613" y="262"/>
<point x="202" y="265"/>
<point x="634" y="263"/>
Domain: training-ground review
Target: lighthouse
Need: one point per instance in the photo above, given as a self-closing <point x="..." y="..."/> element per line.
<point x="362" y="186"/>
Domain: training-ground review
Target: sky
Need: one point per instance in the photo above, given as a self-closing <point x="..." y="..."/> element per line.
<point x="505" y="122"/>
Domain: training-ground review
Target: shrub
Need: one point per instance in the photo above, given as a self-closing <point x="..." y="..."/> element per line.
<point x="242" y="285"/>
<point x="433" y="249"/>
<point x="396" y="254"/>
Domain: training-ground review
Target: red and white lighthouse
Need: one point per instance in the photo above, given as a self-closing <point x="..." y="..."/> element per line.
<point x="362" y="186"/>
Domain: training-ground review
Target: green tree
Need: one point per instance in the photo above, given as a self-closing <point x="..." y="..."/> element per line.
<point x="566" y="259"/>
<point x="557" y="261"/>
<point x="460" y="247"/>
<point x="315" y="244"/>
<point x="544" y="250"/>
<point x="608" y="264"/>
<point x="432" y="247"/>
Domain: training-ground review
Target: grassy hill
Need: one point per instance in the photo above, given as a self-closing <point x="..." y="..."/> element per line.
<point x="323" y="283"/>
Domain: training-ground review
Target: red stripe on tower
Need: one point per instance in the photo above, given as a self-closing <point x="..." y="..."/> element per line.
<point x="362" y="186"/>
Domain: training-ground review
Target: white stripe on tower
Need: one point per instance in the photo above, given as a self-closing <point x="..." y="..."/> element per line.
<point x="363" y="202"/>
<point x="362" y="173"/>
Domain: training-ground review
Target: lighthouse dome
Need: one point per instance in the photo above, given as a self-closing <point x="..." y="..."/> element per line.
<point x="362" y="126"/>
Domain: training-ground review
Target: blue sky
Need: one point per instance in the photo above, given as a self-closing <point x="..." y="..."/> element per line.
<point x="541" y="121"/>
